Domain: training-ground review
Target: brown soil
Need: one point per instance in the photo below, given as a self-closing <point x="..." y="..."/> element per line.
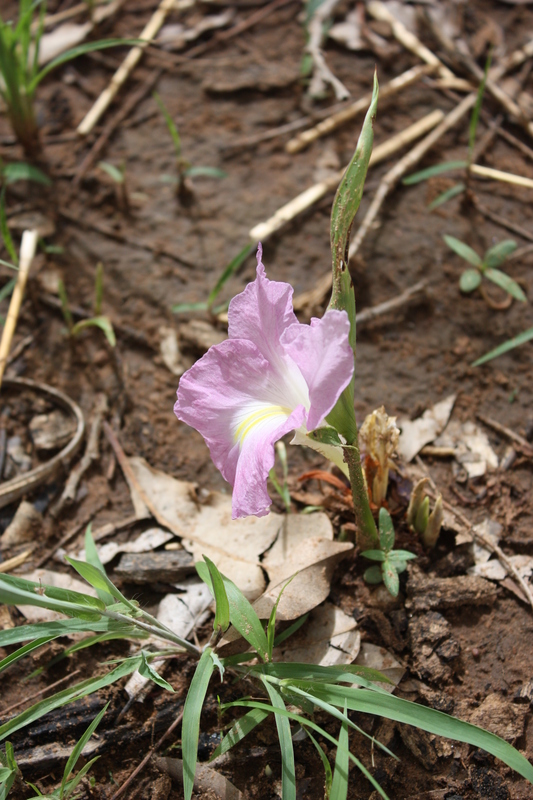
<point x="407" y="361"/>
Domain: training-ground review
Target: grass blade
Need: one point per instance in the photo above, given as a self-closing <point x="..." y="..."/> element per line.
<point x="427" y="719"/>
<point x="62" y="627"/>
<point x="80" y="744"/>
<point x="240" y="729"/>
<point x="232" y="267"/>
<point x="339" y="786"/>
<point x="510" y="344"/>
<point x="92" y="557"/>
<point x="99" y="580"/>
<point x="222" y="615"/>
<point x="431" y="172"/>
<point x="325" y="763"/>
<point x="283" y="725"/>
<point x="191" y="719"/>
<point x="450" y="193"/>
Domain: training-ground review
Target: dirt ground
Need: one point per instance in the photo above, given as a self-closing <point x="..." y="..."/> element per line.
<point x="163" y="252"/>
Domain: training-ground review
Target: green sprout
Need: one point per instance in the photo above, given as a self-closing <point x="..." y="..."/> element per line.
<point x="486" y="267"/>
<point x="391" y="562"/>
<point x="20" y="74"/>
<point x="97" y="321"/>
<point x="184" y="169"/>
<point x="118" y="176"/>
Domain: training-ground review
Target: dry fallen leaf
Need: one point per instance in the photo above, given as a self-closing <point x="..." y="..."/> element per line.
<point x="471" y="445"/>
<point x="329" y="637"/>
<point x="144" y="543"/>
<point x="419" y="432"/>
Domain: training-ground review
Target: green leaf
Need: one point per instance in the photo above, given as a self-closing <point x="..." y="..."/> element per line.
<point x="373" y="575"/>
<point x="345" y="206"/>
<point x="172" y="129"/>
<point x="239" y="730"/>
<point x="350" y="673"/>
<point x="506" y="283"/>
<point x="92" y="557"/>
<point x="271" y="627"/>
<point x="22" y="651"/>
<point x="77" y="750"/>
<point x="205" y="172"/>
<point x="325" y="763"/>
<point x="147" y="671"/>
<point x="430" y="172"/>
<point x="403" y="555"/>
<point x="390" y="577"/>
<point x="20" y="171"/>
<point x="386" y="530"/>
<point x="288" y="632"/>
<point x="232" y="267"/>
<point x="495" y="256"/>
<point x="288" y="769"/>
<point x="428" y="719"/>
<point x="18" y="591"/>
<point x="242" y="614"/>
<point x="82" y="49"/>
<point x="63" y="627"/>
<point x="469" y="280"/>
<point x="222" y="617"/>
<point x="114" y="173"/>
<point x="449" y="194"/>
<point x="463" y="250"/>
<point x="422" y="516"/>
<point x="374" y="555"/>
<point x="8" y="772"/>
<point x="474" y="119"/>
<point x="183" y="308"/>
<point x="325" y="435"/>
<point x="339" y="786"/>
<point x="104" y="323"/>
<point x="69" y="695"/>
<point x="99" y="580"/>
<point x="191" y="719"/>
<point x="510" y="344"/>
<point x="4" y="229"/>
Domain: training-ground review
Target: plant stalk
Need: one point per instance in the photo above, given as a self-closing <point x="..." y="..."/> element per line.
<point x="163" y="633"/>
<point x="367" y="536"/>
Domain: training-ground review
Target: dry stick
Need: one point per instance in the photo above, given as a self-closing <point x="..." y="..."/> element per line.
<point x="306" y="199"/>
<point x="91" y="454"/>
<point x="147" y="757"/>
<point x="380" y="12"/>
<point x="6" y="711"/>
<point x="27" y="252"/>
<point x="129" y="64"/>
<point x="523" y="445"/>
<point x="334" y="121"/>
<point x="16" y="561"/>
<point x="504" y="223"/>
<point x="480" y="537"/>
<point x="129" y="105"/>
<point x="322" y="75"/>
<point x="368" y="314"/>
<point x="499" y="175"/>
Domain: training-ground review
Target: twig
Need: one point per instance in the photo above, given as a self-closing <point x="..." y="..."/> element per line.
<point x="91" y="454"/>
<point x="481" y="538"/>
<point x="499" y="175"/>
<point x="20" y="347"/>
<point x="522" y="444"/>
<point x="527" y="151"/>
<point x="337" y="119"/>
<point x="129" y="64"/>
<point x="147" y="757"/>
<point x="308" y="198"/>
<point x="23" y="484"/>
<point x="16" y="561"/>
<point x="6" y="711"/>
<point x="322" y="75"/>
<point x="380" y="12"/>
<point x="27" y="252"/>
<point x="125" y="110"/>
<point x="502" y="221"/>
<point x="127" y="239"/>
<point x="368" y="314"/>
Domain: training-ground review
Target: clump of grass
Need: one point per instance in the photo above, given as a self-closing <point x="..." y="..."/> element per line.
<point x="98" y="320"/>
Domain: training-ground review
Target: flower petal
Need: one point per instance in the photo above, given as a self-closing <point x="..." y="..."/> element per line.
<point x="234" y="398"/>
<point x="323" y="354"/>
<point x="261" y="313"/>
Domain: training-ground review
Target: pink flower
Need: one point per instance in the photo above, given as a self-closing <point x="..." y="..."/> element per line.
<point x="271" y="376"/>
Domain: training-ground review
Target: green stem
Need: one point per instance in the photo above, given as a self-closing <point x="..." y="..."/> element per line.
<point x="162" y="632"/>
<point x="367" y="533"/>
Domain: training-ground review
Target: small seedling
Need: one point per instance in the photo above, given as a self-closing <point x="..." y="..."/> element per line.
<point x="19" y="69"/>
<point x="419" y="517"/>
<point x="98" y="321"/>
<point x="184" y="169"/>
<point x="391" y="562"/>
<point x="510" y="344"/>
<point x="118" y="176"/>
<point x="486" y="267"/>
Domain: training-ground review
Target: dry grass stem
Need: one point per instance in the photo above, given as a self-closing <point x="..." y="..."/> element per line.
<point x="322" y="75"/>
<point x="310" y="196"/>
<point x="16" y="561"/>
<point x="301" y="141"/>
<point x="411" y="42"/>
<point x="27" y="252"/>
<point x="130" y="62"/>
<point x="498" y="175"/>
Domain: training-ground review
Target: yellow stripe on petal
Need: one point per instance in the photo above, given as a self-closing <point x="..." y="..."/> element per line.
<point x="257" y="417"/>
